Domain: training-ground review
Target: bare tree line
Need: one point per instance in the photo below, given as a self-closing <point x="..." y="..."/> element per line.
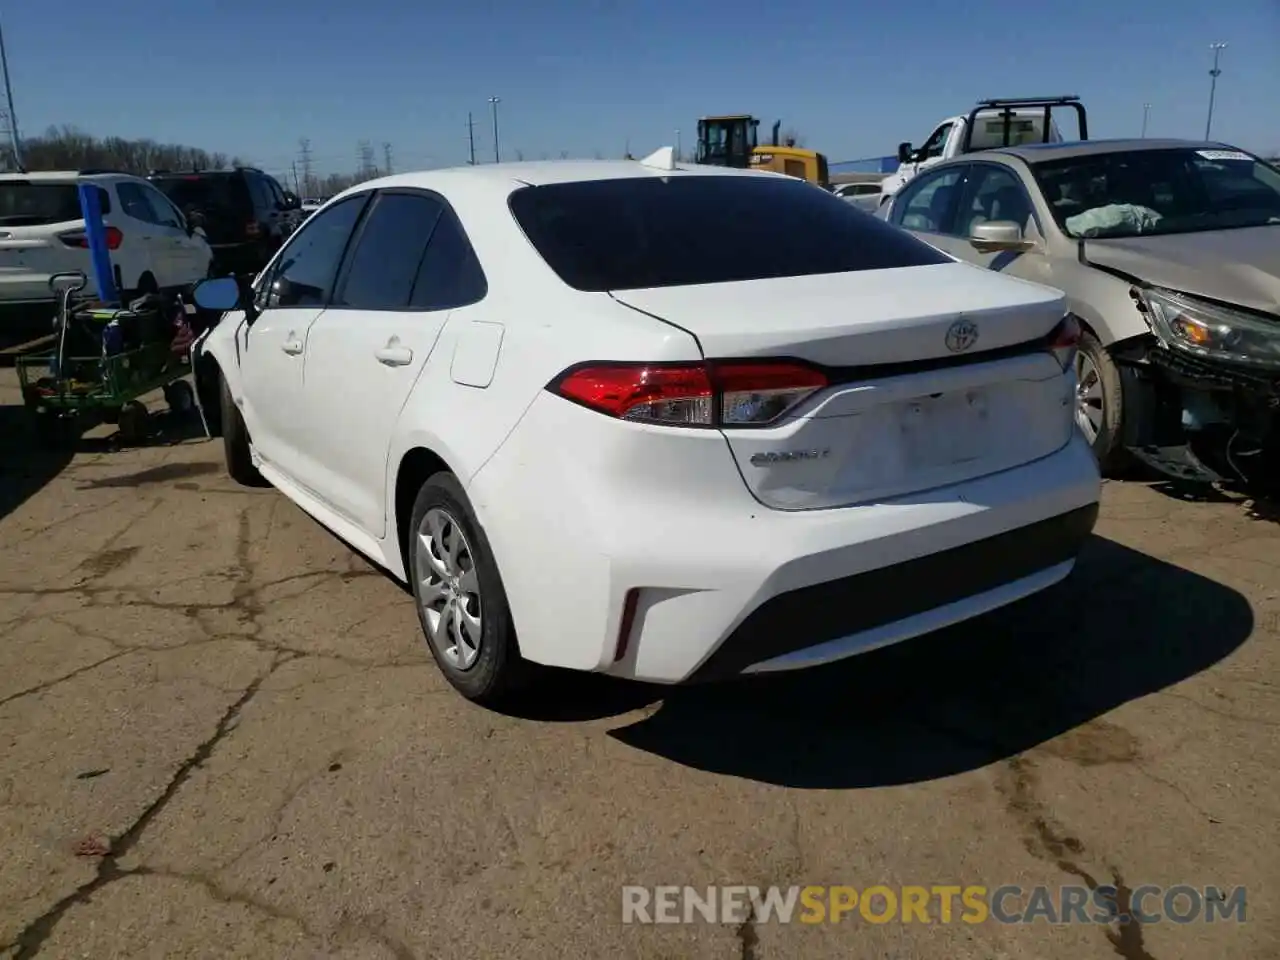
<point x="69" y="148"/>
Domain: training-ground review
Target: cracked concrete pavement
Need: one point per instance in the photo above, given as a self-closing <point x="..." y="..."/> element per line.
<point x="220" y="735"/>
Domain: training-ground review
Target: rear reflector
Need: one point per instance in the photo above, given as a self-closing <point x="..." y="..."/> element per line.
<point x="735" y="393"/>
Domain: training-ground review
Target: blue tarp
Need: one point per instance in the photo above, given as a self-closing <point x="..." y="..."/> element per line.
<point x="867" y="165"/>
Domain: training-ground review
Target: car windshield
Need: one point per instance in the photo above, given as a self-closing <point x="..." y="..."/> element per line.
<point x="1146" y="192"/>
<point x="637" y="232"/>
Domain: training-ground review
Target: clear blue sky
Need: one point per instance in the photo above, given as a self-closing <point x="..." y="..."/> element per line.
<point x="587" y="75"/>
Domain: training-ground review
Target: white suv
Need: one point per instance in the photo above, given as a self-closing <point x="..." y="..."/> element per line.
<point x="598" y="419"/>
<point x="42" y="233"/>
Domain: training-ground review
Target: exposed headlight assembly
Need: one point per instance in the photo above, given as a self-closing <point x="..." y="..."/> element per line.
<point x="1208" y="330"/>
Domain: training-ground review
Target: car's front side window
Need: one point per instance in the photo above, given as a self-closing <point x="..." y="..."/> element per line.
<point x="926" y="205"/>
<point x="303" y="273"/>
<point x="991" y="193"/>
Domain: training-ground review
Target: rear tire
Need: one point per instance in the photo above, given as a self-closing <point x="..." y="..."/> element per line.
<point x="235" y="442"/>
<point x="1100" y="404"/>
<point x="462" y="605"/>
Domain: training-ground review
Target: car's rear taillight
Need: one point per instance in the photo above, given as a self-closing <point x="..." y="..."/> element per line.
<point x="78" y="238"/>
<point x="655" y="393"/>
<point x="753" y="393"/>
<point x="734" y="393"/>
<point x="251" y="229"/>
<point x="1064" y="340"/>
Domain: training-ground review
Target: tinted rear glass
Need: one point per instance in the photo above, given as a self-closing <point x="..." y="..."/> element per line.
<point x="632" y="233"/>
<point x="217" y="193"/>
<point x="24" y="203"/>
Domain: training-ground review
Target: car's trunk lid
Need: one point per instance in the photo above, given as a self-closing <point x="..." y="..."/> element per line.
<point x="910" y="407"/>
<point x="857" y="318"/>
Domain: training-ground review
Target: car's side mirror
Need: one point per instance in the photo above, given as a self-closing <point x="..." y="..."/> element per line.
<point x="291" y="201"/>
<point x="905" y="152"/>
<point x="998" y="236"/>
<point x="221" y="294"/>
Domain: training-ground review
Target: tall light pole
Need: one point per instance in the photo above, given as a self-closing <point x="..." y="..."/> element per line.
<point x="1146" y="114"/>
<point x="679" y="152"/>
<point x="1217" y="49"/>
<point x="493" y="102"/>
<point x="13" y="119"/>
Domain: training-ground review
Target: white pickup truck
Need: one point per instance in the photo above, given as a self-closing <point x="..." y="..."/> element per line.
<point x="990" y="124"/>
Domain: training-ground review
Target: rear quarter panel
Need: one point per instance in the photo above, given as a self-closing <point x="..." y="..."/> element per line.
<point x="545" y="328"/>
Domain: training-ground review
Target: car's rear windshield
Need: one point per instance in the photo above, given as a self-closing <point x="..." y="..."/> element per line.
<point x="1131" y="193"/>
<point x="204" y="192"/>
<point x="637" y="232"/>
<point x="27" y="203"/>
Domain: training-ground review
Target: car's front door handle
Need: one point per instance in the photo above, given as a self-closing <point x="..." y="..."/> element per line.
<point x="393" y="355"/>
<point x="292" y="347"/>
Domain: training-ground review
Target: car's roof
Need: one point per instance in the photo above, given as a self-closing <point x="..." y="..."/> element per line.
<point x="62" y="176"/>
<point x="505" y="177"/>
<point x="1042" y="152"/>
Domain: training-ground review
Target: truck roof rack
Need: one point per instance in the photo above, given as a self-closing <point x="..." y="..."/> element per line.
<point x="1008" y="106"/>
<point x="94" y="171"/>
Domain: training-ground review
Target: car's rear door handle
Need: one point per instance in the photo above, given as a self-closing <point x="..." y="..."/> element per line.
<point x="292" y="347"/>
<point x="393" y="355"/>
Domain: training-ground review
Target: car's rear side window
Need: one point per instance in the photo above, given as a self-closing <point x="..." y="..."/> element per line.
<point x="205" y="192"/>
<point x="637" y="232"/>
<point x="26" y="203"/>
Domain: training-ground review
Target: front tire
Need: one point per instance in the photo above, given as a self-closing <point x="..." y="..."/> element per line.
<point x="461" y="602"/>
<point x="235" y="441"/>
<point x="1100" y="403"/>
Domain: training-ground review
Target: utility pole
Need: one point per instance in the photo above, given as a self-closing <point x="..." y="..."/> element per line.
<point x="471" y="139"/>
<point x="304" y="148"/>
<point x="386" y="156"/>
<point x="679" y="152"/>
<point x="1217" y="49"/>
<point x="493" y="102"/>
<point x="14" y="140"/>
<point x="1146" y="114"/>
<point x="297" y="187"/>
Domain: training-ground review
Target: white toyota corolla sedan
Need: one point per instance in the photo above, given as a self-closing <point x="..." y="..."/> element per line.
<point x="662" y="422"/>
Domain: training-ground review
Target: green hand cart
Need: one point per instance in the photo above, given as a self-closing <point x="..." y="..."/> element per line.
<point x="83" y="381"/>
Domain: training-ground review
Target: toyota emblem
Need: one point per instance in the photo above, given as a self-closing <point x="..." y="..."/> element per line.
<point x="962" y="335"/>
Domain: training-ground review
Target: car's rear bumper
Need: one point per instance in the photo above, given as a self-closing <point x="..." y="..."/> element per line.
<point x="592" y="529"/>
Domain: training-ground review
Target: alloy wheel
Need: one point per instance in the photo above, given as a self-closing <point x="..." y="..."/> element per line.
<point x="448" y="588"/>
<point x="1089" y="397"/>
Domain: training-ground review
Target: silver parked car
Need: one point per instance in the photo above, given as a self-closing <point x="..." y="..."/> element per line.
<point x="1169" y="252"/>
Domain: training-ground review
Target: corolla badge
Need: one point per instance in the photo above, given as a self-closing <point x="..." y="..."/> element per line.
<point x="961" y="335"/>
<point x="787" y="456"/>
